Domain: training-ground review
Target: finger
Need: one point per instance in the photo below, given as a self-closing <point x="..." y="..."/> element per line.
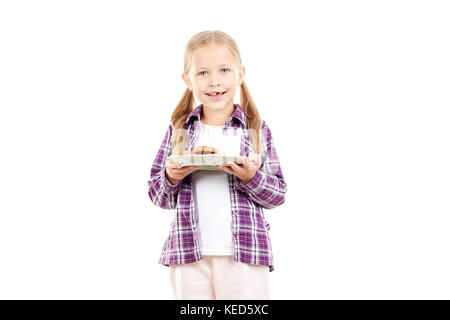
<point x="234" y="166"/>
<point x="186" y="169"/>
<point x="224" y="168"/>
<point x="172" y="164"/>
<point x="256" y="159"/>
<point x="253" y="157"/>
<point x="249" y="163"/>
<point x="243" y="164"/>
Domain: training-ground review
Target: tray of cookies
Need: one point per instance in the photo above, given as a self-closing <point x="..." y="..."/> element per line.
<point x="205" y="157"/>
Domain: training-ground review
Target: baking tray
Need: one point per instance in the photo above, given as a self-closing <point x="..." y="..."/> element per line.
<point x="205" y="161"/>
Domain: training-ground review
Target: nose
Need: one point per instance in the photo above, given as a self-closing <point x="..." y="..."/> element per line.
<point x="212" y="87"/>
<point x="215" y="84"/>
<point x="215" y="80"/>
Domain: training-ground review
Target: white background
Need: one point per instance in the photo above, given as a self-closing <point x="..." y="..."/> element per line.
<point x="356" y="94"/>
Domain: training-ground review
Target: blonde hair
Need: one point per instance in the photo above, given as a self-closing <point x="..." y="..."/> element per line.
<point x="187" y="101"/>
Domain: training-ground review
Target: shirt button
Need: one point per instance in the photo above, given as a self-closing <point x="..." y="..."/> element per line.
<point x="234" y="211"/>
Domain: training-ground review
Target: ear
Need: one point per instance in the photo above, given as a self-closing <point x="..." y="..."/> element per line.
<point x="186" y="81"/>
<point x="241" y="75"/>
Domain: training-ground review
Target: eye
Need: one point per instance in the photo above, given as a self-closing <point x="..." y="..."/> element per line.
<point x="200" y="73"/>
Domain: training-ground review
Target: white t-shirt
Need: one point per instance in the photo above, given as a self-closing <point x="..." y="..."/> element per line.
<point x="212" y="194"/>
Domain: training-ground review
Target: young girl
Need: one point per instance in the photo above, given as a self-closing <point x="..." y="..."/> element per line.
<point x="218" y="246"/>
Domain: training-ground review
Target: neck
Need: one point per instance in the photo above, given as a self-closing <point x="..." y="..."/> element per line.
<point x="216" y="117"/>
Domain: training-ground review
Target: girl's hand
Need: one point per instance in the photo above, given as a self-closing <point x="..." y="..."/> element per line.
<point x="175" y="173"/>
<point x="245" y="171"/>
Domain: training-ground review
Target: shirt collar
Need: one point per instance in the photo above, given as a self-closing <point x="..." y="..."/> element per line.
<point x="237" y="114"/>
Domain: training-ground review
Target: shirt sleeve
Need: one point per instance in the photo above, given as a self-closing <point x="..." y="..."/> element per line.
<point x="160" y="190"/>
<point x="268" y="187"/>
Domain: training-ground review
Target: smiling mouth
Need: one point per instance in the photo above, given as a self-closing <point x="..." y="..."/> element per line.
<point x="213" y="94"/>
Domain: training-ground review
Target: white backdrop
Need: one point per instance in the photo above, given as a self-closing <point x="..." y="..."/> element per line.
<point x="356" y="94"/>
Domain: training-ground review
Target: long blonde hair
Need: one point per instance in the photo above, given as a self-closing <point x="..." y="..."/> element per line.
<point x="187" y="101"/>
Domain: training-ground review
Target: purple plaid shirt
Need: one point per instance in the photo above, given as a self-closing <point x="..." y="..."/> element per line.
<point x="250" y="230"/>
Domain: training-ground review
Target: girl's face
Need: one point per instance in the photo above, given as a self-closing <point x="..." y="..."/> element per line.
<point x="213" y="69"/>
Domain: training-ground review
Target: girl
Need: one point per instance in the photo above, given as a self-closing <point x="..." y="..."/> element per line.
<point x="218" y="246"/>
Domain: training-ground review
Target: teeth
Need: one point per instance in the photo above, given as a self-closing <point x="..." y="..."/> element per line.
<point x="213" y="94"/>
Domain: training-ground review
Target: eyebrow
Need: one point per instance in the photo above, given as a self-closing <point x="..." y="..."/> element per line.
<point x="201" y="67"/>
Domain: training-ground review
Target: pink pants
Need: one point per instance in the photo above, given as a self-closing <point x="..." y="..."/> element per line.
<point x="219" y="278"/>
